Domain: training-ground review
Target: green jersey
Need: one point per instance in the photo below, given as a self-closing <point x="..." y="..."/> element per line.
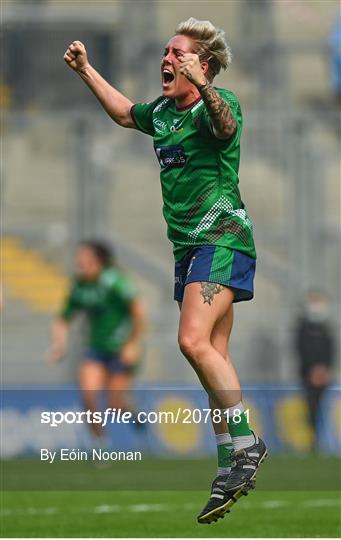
<point x="199" y="175"/>
<point x="106" y="303"/>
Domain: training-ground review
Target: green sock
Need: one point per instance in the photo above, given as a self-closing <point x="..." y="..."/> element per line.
<point x="242" y="436"/>
<point x="224" y="449"/>
<point x="241" y="428"/>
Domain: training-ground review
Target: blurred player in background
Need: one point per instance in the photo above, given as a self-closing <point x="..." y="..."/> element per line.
<point x="196" y="129"/>
<point x="315" y="348"/>
<point x="116" y="320"/>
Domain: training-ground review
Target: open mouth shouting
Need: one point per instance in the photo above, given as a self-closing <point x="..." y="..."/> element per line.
<point x="167" y="78"/>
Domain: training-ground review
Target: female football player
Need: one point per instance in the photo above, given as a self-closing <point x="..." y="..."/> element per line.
<point x="196" y="129"/>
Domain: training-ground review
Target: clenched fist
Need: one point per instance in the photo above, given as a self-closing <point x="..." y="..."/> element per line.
<point x="76" y="56"/>
<point x="191" y="68"/>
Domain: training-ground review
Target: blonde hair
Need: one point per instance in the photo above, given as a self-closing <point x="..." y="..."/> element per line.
<point x="212" y="46"/>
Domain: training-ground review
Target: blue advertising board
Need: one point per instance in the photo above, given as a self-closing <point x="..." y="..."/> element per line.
<point x="178" y="421"/>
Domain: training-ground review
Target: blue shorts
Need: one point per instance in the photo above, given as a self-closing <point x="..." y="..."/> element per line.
<point x="110" y="361"/>
<point x="216" y="264"/>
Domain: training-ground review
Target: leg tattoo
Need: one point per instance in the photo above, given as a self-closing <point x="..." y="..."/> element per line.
<point x="208" y="290"/>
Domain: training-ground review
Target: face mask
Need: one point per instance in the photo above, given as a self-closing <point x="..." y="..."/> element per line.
<point x="317" y="312"/>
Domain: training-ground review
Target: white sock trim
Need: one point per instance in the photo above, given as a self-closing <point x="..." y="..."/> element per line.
<point x="243" y="441"/>
<point x="223" y="438"/>
<point x="223" y="470"/>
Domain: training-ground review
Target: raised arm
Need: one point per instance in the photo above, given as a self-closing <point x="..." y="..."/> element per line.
<point x="114" y="103"/>
<point x="223" y="122"/>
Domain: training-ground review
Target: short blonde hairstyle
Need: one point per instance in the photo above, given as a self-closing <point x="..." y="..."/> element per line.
<point x="212" y="46"/>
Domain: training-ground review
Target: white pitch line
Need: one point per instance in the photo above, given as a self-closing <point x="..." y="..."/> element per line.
<point x="101" y="509"/>
<point x="29" y="511"/>
<point x="6" y="512"/>
<point x="190" y="506"/>
<point x="148" y="507"/>
<point x="274" y="504"/>
<point x="107" y="509"/>
<point x="320" y="503"/>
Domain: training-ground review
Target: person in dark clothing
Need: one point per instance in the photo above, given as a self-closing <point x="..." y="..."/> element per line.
<point x="314" y="343"/>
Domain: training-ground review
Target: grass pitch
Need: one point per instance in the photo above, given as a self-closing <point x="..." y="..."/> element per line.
<point x="138" y="513"/>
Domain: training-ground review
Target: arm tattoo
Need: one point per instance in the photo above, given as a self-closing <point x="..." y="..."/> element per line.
<point x="219" y="112"/>
<point x="208" y="290"/>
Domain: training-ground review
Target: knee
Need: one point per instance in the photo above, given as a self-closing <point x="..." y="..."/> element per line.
<point x="192" y="346"/>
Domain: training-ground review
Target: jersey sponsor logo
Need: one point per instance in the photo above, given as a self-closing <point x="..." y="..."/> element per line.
<point x="159" y="125"/>
<point x="171" y="156"/>
<point x="176" y="127"/>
